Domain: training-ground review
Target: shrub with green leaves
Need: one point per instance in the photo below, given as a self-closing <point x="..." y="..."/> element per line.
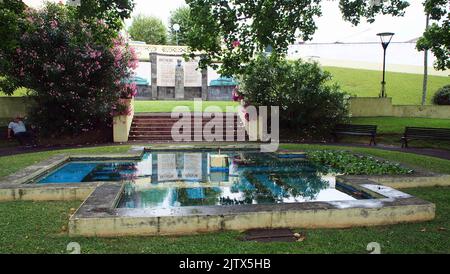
<point x="350" y="164"/>
<point x="442" y="96"/>
<point x="309" y="102"/>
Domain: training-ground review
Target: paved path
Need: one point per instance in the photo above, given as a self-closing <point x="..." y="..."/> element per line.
<point x="443" y="154"/>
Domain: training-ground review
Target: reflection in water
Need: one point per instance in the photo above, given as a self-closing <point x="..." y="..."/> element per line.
<point x="251" y="178"/>
<point x="172" y="179"/>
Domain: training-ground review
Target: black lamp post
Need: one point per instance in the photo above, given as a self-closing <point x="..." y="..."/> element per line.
<point x="386" y="38"/>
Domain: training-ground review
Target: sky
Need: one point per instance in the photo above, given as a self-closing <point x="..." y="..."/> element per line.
<point x="331" y="27"/>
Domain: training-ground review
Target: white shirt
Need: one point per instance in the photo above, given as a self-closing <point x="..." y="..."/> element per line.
<point x="17" y="127"/>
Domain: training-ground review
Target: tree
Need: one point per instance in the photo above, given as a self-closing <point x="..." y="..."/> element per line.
<point x="248" y="27"/>
<point x="180" y="16"/>
<point x="148" y="29"/>
<point x="12" y="22"/>
<point x="75" y="71"/>
<point x="112" y="12"/>
<point x="309" y="101"/>
<point x="436" y="37"/>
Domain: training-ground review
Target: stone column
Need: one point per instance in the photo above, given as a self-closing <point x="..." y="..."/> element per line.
<point x="154" y="74"/>
<point x="204" y="84"/>
<point x="179" y="81"/>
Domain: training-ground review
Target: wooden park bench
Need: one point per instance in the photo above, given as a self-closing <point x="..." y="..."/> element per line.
<point x="356" y="130"/>
<point x="424" y="133"/>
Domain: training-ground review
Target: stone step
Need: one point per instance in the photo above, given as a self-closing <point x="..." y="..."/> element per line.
<point x="164" y="127"/>
<point x="169" y="115"/>
<point x="169" y="133"/>
<point x="149" y="123"/>
<point x="178" y="119"/>
<point x="168" y="138"/>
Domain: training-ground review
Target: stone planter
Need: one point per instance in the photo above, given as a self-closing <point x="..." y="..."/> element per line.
<point x="122" y="123"/>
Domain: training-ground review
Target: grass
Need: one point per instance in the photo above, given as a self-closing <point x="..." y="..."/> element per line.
<point x="167" y="106"/>
<point x="11" y="164"/>
<point x="17" y="93"/>
<point x="41" y="227"/>
<point x="404" y="88"/>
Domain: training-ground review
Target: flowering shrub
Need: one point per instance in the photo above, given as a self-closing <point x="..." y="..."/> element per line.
<point x="75" y="70"/>
<point x="236" y="96"/>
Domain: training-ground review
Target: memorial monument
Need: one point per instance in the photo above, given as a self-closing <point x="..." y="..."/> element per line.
<point x="174" y="78"/>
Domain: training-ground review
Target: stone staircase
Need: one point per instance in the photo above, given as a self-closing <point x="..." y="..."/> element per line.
<point x="157" y="127"/>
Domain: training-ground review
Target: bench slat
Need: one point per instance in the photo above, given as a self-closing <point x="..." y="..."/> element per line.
<point x="356" y="130"/>
<point x="424" y="133"/>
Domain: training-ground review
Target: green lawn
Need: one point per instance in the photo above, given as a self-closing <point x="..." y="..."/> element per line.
<point x="41" y="227"/>
<point x="404" y="88"/>
<point x="167" y="106"/>
<point x="11" y="164"/>
<point x="19" y="92"/>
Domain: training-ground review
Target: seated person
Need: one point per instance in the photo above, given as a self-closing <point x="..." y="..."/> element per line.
<point x="17" y="129"/>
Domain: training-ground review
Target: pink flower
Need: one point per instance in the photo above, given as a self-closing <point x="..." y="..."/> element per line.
<point x="236" y="43"/>
<point x="53" y="24"/>
<point x="236" y="96"/>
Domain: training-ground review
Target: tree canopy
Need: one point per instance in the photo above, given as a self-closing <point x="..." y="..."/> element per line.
<point x="112" y="12"/>
<point x="437" y="37"/>
<point x="13" y="24"/>
<point x="148" y="29"/>
<point x="180" y="16"/>
<point x="12" y="21"/>
<point x="250" y="26"/>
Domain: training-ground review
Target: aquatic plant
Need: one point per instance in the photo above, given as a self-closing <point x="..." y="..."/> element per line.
<point x="351" y="164"/>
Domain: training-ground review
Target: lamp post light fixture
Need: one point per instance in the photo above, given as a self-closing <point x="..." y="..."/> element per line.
<point x="176" y="28"/>
<point x="386" y="38"/>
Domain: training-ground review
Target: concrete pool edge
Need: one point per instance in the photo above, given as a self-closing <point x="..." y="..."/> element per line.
<point x="98" y="216"/>
<point x="20" y="185"/>
<point x="102" y="218"/>
<point x="17" y="186"/>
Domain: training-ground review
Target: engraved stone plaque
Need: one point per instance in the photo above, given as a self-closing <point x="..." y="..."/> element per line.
<point x="166" y="71"/>
<point x="192" y="75"/>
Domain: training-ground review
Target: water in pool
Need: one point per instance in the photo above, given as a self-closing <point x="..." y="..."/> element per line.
<point x="174" y="179"/>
